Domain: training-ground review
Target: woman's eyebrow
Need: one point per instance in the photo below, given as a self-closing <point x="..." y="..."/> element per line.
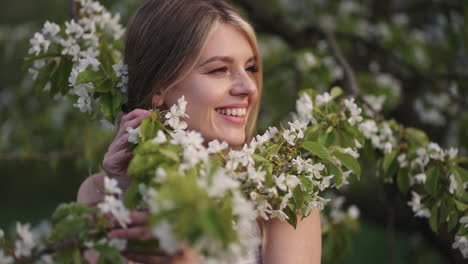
<point x="225" y="59"/>
<point x="215" y="58"/>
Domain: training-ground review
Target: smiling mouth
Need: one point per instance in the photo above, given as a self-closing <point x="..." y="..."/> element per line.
<point x="236" y="112"/>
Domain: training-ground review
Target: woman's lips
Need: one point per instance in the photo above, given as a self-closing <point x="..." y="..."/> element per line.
<point x="237" y="120"/>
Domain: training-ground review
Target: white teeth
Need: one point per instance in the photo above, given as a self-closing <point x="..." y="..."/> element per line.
<point x="233" y="111"/>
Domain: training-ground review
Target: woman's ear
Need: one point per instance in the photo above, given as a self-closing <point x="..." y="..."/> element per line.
<point x="157" y="100"/>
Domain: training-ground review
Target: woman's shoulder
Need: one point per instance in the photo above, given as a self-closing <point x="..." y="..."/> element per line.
<point x="91" y="190"/>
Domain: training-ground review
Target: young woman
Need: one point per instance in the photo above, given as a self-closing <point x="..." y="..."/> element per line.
<point x="204" y="50"/>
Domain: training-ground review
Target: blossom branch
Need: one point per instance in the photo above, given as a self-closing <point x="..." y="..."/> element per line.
<point x="73" y="9"/>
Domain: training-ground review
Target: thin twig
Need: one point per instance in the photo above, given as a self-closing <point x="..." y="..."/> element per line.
<point x="350" y="76"/>
<point x="73" y="9"/>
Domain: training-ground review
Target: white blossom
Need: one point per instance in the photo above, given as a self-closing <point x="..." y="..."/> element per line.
<point x="121" y="70"/>
<point x="119" y="244"/>
<point x="289" y="136"/>
<point x="50" y="29"/>
<point x="39" y="44"/>
<point x="116" y="208"/>
<point x="281" y="182"/>
<point x="160" y="175"/>
<point x="376" y="102"/>
<point x="264" y="208"/>
<point x="133" y="134"/>
<point x="355" y="111"/>
<point x="323" y="99"/>
<point x="5" y="259"/>
<point x="160" y="138"/>
<point x="292" y="181"/>
<point x="415" y="204"/>
<point x="420" y="178"/>
<point x="315" y="170"/>
<point x="257" y="177"/>
<point x="165" y="234"/>
<point x="353" y="211"/>
<point x="318" y="202"/>
<point x="73" y="28"/>
<point x="304" y="107"/>
<point x="452" y="153"/>
<point x="461" y="243"/>
<point x="279" y="214"/>
<point x="307" y="61"/>
<point x="352" y="152"/>
<point x="111" y="186"/>
<point x="177" y="111"/>
<point x="368" y="128"/>
<point x="464" y="221"/>
<point x="402" y="160"/>
<point x="25" y="242"/>
<point x="435" y="151"/>
<point x="221" y="183"/>
<point x="215" y="146"/>
<point x="325" y="183"/>
<point x="453" y="184"/>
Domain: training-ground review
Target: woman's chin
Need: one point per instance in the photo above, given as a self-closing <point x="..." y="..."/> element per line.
<point x="233" y="139"/>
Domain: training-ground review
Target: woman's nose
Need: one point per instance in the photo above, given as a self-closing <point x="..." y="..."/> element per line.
<point x="244" y="84"/>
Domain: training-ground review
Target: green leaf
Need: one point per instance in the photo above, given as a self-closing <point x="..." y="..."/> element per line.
<point x="169" y="153"/>
<point x="105" y="56"/>
<point x="149" y="129"/>
<point x="106" y="107"/>
<point x="298" y="197"/>
<point x="388" y="160"/>
<point x="132" y="195"/>
<point x="59" y="79"/>
<point x="44" y="76"/>
<point x="417" y="136"/>
<point x="90" y="76"/>
<point x="432" y="181"/>
<point x="144" y="246"/>
<point x="326" y="139"/>
<point x="64" y="210"/>
<point x="349" y="162"/>
<point x="317" y="149"/>
<point x="105" y="86"/>
<point x="433" y="220"/>
<point x="336" y="91"/>
<point x="108" y="255"/>
<point x="338" y="178"/>
<point x="292" y="216"/>
<point x="453" y="219"/>
<point x="461" y="206"/>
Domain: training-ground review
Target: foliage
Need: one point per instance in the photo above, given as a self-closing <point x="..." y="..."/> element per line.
<point x="399" y="54"/>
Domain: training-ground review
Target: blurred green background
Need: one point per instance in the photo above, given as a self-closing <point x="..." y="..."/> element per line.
<point x="411" y="53"/>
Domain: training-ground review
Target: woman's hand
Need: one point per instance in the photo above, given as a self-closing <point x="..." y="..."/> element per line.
<point x="138" y="230"/>
<point x="116" y="159"/>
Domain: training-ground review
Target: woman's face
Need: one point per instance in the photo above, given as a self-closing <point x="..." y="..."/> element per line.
<point x="222" y="88"/>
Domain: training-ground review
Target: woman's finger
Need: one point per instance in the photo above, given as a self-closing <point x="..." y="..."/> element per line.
<point x="139" y="218"/>
<point x="133" y="123"/>
<point x="147" y="258"/>
<point x="119" y="144"/>
<point x="133" y="114"/>
<point x="115" y="163"/>
<point x="132" y="233"/>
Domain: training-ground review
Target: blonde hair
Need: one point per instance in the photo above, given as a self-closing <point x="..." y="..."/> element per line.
<point x="165" y="40"/>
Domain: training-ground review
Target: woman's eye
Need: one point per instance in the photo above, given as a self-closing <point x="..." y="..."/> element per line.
<point x="253" y="69"/>
<point x="222" y="69"/>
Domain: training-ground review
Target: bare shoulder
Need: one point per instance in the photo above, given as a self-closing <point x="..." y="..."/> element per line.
<point x="90" y="192"/>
